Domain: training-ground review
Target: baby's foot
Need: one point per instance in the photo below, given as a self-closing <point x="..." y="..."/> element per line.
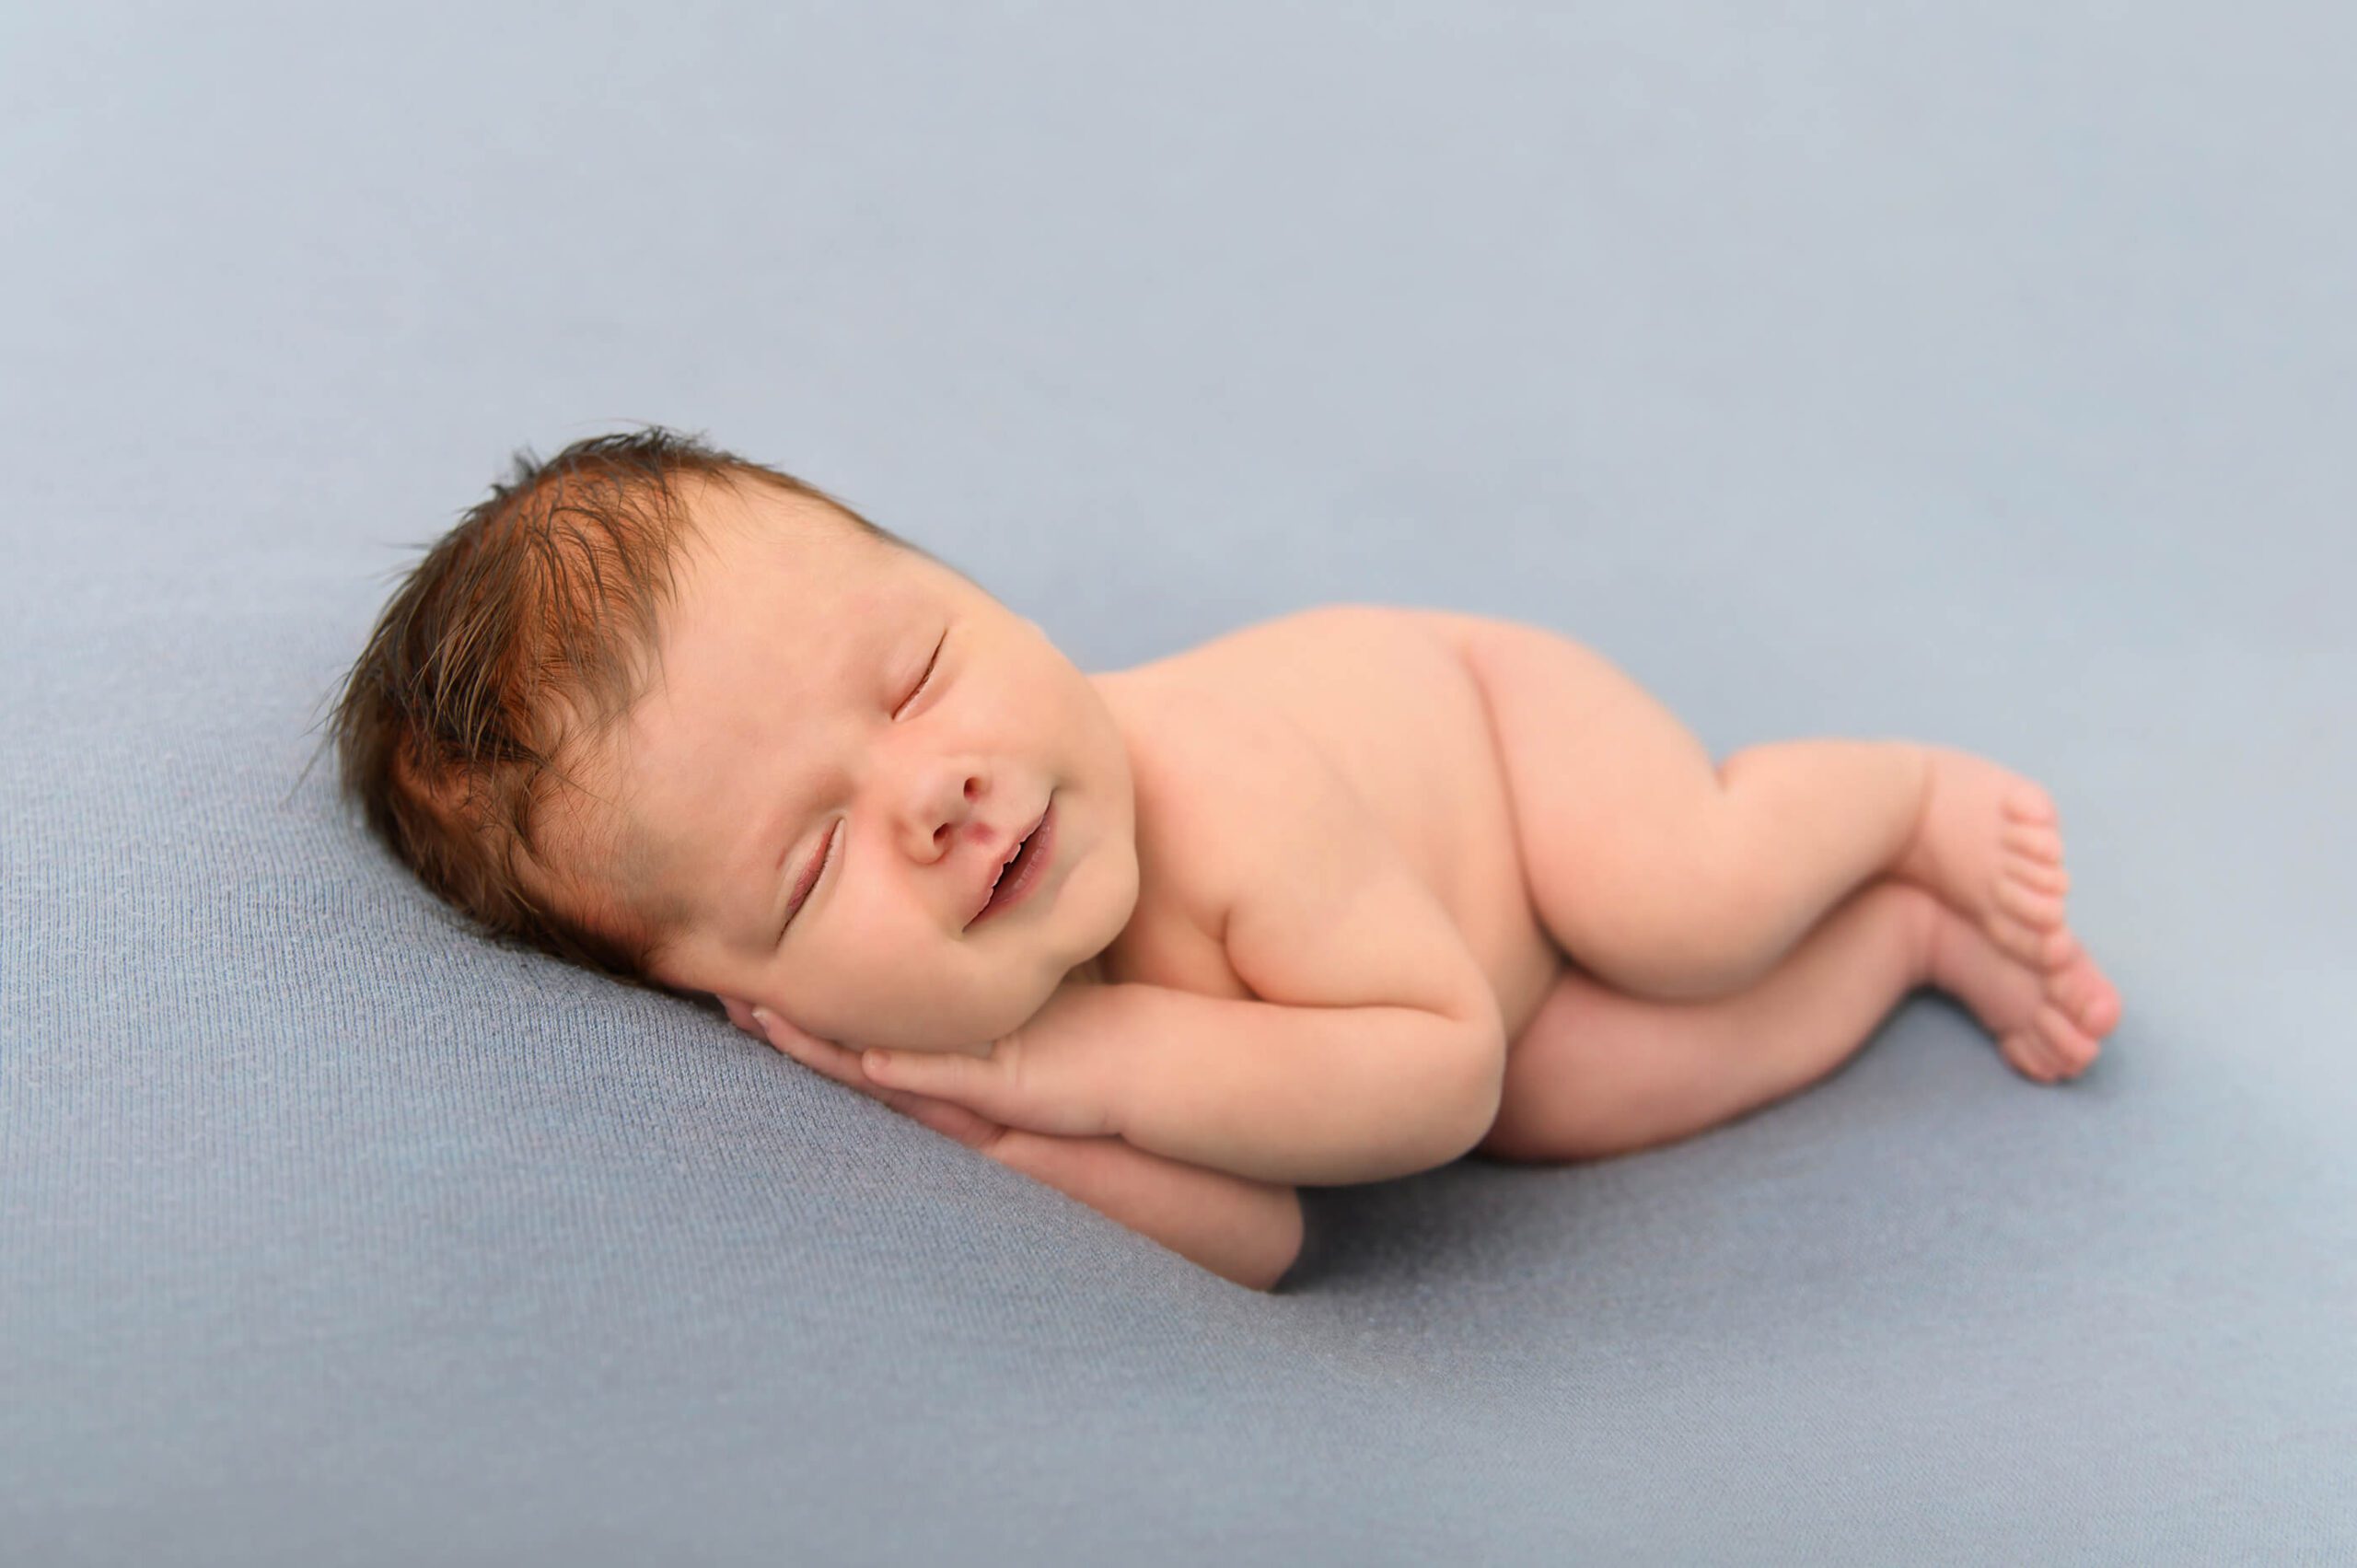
<point x="1989" y="842"/>
<point x="2045" y="1021"/>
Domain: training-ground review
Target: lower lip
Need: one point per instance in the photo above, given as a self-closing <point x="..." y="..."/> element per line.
<point x="1019" y="885"/>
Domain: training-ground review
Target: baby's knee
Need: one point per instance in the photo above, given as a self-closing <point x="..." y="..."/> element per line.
<point x="1700" y="928"/>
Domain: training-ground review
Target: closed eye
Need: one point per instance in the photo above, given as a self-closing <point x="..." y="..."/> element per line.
<point x="829" y="852"/>
<point x="926" y="680"/>
<point x="804" y="902"/>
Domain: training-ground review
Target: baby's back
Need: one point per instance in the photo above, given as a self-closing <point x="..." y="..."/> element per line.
<point x="1385" y="695"/>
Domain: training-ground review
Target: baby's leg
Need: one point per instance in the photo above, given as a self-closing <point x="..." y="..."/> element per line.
<point x="1598" y="1073"/>
<point x="1671" y="877"/>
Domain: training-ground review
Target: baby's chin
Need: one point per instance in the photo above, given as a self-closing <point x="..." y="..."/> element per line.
<point x="974" y="1022"/>
<point x="974" y="1030"/>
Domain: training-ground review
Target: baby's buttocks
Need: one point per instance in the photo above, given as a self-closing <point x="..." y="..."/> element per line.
<point x="1393" y="706"/>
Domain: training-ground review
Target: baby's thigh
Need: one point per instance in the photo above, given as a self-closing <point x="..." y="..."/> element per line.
<point x="1612" y="794"/>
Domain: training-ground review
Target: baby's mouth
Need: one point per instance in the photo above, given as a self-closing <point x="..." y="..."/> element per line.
<point x="1012" y="868"/>
<point x="1013" y="862"/>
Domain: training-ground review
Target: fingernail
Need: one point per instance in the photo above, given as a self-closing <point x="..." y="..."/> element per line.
<point x="761" y="1016"/>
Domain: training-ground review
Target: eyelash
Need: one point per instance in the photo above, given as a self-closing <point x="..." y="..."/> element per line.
<point x="927" y="678"/>
<point x="835" y="847"/>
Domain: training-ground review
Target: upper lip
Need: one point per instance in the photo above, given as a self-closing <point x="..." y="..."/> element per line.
<point x="993" y="868"/>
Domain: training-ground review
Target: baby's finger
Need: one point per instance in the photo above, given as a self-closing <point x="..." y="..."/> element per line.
<point x="842" y="1065"/>
<point x="949" y="1121"/>
<point x="972" y="1082"/>
<point x="819" y="1055"/>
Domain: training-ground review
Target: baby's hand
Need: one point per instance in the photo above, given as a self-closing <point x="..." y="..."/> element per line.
<point x="841" y="1065"/>
<point x="1050" y="1076"/>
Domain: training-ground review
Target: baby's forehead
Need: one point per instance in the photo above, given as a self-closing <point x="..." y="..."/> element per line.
<point x="831" y="579"/>
<point x="682" y="714"/>
<point x="800" y="635"/>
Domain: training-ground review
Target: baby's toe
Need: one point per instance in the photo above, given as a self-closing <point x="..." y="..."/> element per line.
<point x="2039" y="876"/>
<point x="2028" y="802"/>
<point x="2043" y="845"/>
<point x="2030" y="1055"/>
<point x="2039" y="912"/>
<point x="2091" y="1002"/>
<point x="2066" y="1043"/>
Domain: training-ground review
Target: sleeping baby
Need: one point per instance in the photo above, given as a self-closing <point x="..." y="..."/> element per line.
<point x="1335" y="898"/>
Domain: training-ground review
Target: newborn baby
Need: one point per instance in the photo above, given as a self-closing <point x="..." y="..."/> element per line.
<point x="1332" y="898"/>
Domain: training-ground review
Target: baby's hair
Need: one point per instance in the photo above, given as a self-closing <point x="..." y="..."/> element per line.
<point x="524" y="636"/>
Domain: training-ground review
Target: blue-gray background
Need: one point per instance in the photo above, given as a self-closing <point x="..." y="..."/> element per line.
<point x="1984" y="374"/>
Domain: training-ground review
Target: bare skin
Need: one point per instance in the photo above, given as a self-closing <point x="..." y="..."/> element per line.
<point x="1656" y="879"/>
<point x="1602" y="1074"/>
<point x="1745" y="925"/>
<point x="1742" y="928"/>
<point x="1670" y="942"/>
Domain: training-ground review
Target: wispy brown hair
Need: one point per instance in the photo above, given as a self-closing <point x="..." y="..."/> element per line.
<point x="520" y="640"/>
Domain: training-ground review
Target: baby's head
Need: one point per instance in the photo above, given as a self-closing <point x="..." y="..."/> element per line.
<point x="641" y="697"/>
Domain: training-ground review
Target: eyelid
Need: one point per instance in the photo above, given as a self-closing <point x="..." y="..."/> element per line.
<point x="926" y="681"/>
<point x="827" y="856"/>
<point x="931" y="665"/>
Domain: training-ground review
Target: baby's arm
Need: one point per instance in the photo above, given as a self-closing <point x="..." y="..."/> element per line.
<point x="1371" y="1046"/>
<point x="1248" y="1231"/>
<point x="1316" y="1094"/>
<point x="1311" y="1095"/>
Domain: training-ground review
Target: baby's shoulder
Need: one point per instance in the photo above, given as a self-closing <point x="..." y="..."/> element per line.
<point x="1216" y="772"/>
<point x="1173" y="936"/>
<point x="1261" y="712"/>
<point x="1237" y="658"/>
<point x="1186" y="739"/>
<point x="1284" y="869"/>
<point x="1185" y="732"/>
